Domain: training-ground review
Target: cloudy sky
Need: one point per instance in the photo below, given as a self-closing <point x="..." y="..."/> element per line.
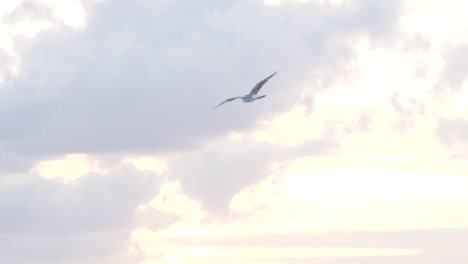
<point x="111" y="151"/>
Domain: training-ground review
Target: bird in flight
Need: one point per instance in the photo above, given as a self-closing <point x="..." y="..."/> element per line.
<point x="252" y="96"/>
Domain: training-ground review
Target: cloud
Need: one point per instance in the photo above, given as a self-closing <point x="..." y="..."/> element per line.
<point x="455" y="71"/>
<point x="88" y="220"/>
<point x="231" y="166"/>
<point x="380" y="19"/>
<point x="138" y="69"/>
<point x="406" y="111"/>
<point x="28" y="10"/>
<point x="364" y="122"/>
<point x="452" y="130"/>
<point x="142" y="77"/>
<point x="6" y="61"/>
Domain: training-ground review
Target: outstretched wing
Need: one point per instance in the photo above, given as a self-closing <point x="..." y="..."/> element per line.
<point x="228" y="100"/>
<point x="261" y="83"/>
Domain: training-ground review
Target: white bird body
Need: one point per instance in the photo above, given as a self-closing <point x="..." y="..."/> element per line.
<point x="252" y="96"/>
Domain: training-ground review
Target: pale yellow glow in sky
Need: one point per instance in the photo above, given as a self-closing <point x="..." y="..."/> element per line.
<point x="152" y="164"/>
<point x="382" y="72"/>
<point x="319" y="195"/>
<point x="441" y="21"/>
<point x="371" y="93"/>
<point x="172" y="200"/>
<point x="71" y="167"/>
<point x="291" y="128"/>
<point x="70" y="11"/>
<point x="8" y="6"/>
<point x="159" y="251"/>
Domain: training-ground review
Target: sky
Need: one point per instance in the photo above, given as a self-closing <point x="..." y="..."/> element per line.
<point x="111" y="151"/>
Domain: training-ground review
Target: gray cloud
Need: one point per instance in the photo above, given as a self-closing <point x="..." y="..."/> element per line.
<point x="215" y="176"/>
<point x="452" y="130"/>
<point x="379" y="19"/>
<point x="455" y="70"/>
<point x="6" y="60"/>
<point x="143" y="76"/>
<point x="28" y="10"/>
<point x="12" y="162"/>
<point x="85" y="221"/>
<point x="406" y="111"/>
<point x="415" y="42"/>
<point x="364" y="121"/>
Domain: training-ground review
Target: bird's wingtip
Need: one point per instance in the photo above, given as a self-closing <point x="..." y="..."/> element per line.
<point x="273" y="74"/>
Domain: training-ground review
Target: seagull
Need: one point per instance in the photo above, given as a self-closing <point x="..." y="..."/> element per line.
<point x="252" y="96"/>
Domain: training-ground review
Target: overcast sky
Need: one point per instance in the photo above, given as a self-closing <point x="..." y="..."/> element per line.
<point x="111" y="151"/>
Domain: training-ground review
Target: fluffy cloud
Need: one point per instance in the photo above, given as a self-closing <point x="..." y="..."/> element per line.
<point x="452" y="130"/>
<point x="143" y="76"/>
<point x="151" y="71"/>
<point x="88" y="220"/>
<point x="6" y="61"/>
<point x="231" y="166"/>
<point x="28" y="10"/>
<point x="455" y="71"/>
<point x="406" y="112"/>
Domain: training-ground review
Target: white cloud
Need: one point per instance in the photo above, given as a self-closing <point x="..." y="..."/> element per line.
<point x="72" y="12"/>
